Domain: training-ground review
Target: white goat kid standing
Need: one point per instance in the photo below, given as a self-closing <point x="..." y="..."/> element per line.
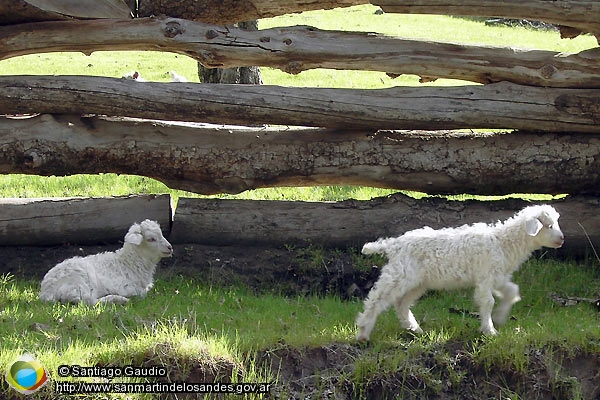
<point x="479" y="255"/>
<point x="110" y="277"/>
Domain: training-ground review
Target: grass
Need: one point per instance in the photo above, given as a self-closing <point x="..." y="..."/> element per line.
<point x="184" y="322"/>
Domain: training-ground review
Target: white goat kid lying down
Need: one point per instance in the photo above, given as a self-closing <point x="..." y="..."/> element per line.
<point x="110" y="277"/>
<point x="175" y="77"/>
<point x="479" y="255"/>
<point x="134" y="76"/>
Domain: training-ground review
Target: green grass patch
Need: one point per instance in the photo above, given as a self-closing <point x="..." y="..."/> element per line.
<point x="109" y="184"/>
<point x="183" y="323"/>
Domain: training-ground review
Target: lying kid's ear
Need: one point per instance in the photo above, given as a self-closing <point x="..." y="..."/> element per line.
<point x="134" y="235"/>
<point x="533" y="226"/>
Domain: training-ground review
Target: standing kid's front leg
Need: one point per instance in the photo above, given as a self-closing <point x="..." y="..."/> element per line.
<point x="485" y="301"/>
<point x="509" y="293"/>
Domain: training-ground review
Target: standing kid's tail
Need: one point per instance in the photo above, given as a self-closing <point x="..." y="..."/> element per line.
<point x="378" y="247"/>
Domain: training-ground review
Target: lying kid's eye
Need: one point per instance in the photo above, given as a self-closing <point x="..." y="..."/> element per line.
<point x="151" y="240"/>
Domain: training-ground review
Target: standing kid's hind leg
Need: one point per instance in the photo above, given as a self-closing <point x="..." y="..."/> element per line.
<point x="405" y="315"/>
<point x="377" y="301"/>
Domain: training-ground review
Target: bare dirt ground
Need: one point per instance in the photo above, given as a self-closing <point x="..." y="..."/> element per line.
<point x="328" y="372"/>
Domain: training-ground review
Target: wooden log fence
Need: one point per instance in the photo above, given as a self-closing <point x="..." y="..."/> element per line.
<point x="499" y="105"/>
<point x="352" y="222"/>
<point x="220" y="159"/>
<point x="295" y="49"/>
<point x="45" y="222"/>
<point x="394" y="138"/>
<point x="573" y="16"/>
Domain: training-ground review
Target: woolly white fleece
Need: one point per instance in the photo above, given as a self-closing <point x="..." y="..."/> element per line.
<point x="110" y="277"/>
<point x="479" y="255"/>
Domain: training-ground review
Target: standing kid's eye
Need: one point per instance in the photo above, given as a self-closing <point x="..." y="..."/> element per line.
<point x="151" y="239"/>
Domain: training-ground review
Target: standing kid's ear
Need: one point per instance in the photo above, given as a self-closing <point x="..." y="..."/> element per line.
<point x="533" y="226"/>
<point x="134" y="235"/>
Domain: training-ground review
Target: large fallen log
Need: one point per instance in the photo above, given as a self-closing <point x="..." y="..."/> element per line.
<point x="299" y="48"/>
<point x="56" y="221"/>
<point x="498" y="105"/>
<point x="213" y="159"/>
<point x="222" y="222"/>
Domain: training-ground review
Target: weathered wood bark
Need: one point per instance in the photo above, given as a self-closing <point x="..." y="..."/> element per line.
<point x="299" y="48"/>
<point x="499" y="105"/>
<point x="21" y="11"/>
<point x="209" y="159"/>
<point x="220" y="222"/>
<point x="247" y="75"/>
<point x="42" y="222"/>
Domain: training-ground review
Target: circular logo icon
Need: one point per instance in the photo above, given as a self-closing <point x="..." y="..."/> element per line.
<point x="26" y="375"/>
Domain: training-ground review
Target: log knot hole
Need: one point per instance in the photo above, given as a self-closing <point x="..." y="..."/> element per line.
<point x="33" y="159"/>
<point x="294" y="67"/>
<point x="211" y="34"/>
<point x="172" y="29"/>
<point x="548" y="71"/>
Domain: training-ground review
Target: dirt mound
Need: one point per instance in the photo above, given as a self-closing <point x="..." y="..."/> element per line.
<point x="342" y="371"/>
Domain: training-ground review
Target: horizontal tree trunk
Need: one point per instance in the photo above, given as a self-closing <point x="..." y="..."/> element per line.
<point x="499" y="105"/>
<point x="299" y="48"/>
<point x="211" y="159"/>
<point x="44" y="222"/>
<point x="352" y="223"/>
